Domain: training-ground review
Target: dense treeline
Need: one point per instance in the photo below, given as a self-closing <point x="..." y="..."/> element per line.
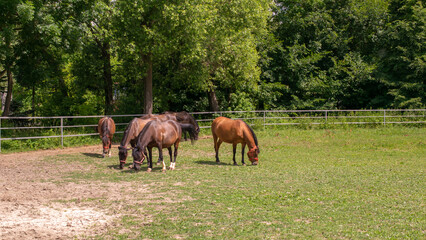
<point x="85" y="57"/>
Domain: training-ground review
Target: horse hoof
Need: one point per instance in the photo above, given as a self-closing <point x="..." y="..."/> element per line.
<point x="164" y="170"/>
<point x="158" y="163"/>
<point x="244" y="164"/>
<point x="235" y="164"/>
<point x="149" y="170"/>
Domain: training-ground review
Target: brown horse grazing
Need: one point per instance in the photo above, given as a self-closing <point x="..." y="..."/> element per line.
<point x="130" y="136"/>
<point x="106" y="130"/>
<point x="135" y="127"/>
<point x="235" y="131"/>
<point x="160" y="135"/>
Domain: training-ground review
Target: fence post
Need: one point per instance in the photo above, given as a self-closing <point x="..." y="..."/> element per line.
<point x="326" y="116"/>
<point x="384" y="117"/>
<point x="264" y="120"/>
<point x="62" y="131"/>
<point x="0" y="135"/>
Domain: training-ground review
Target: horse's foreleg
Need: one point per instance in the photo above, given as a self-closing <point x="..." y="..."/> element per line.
<point x="109" y="150"/>
<point x="149" y="163"/>
<point x="243" y="146"/>
<point x="234" y="150"/>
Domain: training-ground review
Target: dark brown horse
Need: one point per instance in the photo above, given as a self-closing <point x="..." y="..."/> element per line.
<point x="235" y="131"/>
<point x="185" y="117"/>
<point x="130" y="136"/>
<point x="159" y="134"/>
<point x="137" y="124"/>
<point x="106" y="130"/>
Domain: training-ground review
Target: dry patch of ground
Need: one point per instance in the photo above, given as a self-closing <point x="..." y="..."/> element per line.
<point x="32" y="206"/>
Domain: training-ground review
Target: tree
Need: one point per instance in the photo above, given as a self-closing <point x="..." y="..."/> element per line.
<point x="328" y="52"/>
<point x="13" y="14"/>
<point x="402" y="63"/>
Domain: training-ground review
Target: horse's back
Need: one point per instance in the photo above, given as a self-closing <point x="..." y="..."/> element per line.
<point x="110" y="125"/>
<point x="228" y="130"/>
<point x="165" y="132"/>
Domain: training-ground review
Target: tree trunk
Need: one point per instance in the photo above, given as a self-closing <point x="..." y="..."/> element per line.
<point x="214" y="105"/>
<point x="148" y="84"/>
<point x="107" y="77"/>
<point x="9" y="92"/>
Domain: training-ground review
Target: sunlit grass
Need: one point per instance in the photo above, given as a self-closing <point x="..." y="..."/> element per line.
<point x="340" y="184"/>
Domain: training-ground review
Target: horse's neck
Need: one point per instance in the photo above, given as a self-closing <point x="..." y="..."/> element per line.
<point x="126" y="138"/>
<point x="144" y="140"/>
<point x="249" y="139"/>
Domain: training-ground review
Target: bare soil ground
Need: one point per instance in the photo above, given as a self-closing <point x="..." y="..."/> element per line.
<point x="35" y="206"/>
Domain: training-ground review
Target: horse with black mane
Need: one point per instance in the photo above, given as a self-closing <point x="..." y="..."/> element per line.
<point x="130" y="137"/>
<point x="137" y="124"/>
<point x="106" y="130"/>
<point x="159" y="134"/>
<point x="235" y="131"/>
<point x="185" y="117"/>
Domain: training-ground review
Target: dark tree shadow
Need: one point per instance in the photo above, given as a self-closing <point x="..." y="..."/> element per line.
<point x="93" y="155"/>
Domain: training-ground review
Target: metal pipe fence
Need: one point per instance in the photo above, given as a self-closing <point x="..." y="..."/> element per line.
<point x="262" y="118"/>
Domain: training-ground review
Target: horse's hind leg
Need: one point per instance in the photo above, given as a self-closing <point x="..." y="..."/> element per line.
<point x="216" y="145"/>
<point x="171" y="158"/>
<point x="173" y="165"/>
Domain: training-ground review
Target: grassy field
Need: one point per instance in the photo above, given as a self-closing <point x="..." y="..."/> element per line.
<point x="355" y="183"/>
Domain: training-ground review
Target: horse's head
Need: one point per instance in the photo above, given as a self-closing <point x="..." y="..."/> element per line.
<point x="138" y="157"/>
<point x="122" y="155"/>
<point x="106" y="142"/>
<point x="253" y="155"/>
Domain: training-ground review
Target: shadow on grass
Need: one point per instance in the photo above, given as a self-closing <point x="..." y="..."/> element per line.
<point x="93" y="155"/>
<point x="212" y="163"/>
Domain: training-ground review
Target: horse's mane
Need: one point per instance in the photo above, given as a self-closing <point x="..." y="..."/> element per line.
<point x="253" y="134"/>
<point x="183" y="114"/>
<point x="126" y="134"/>
<point x="144" y="130"/>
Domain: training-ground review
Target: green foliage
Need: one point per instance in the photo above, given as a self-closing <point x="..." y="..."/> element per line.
<point x="91" y="57"/>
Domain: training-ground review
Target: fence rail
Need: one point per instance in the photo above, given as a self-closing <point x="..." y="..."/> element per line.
<point x="261" y="117"/>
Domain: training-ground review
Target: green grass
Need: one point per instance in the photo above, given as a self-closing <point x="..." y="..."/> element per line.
<point x="354" y="183"/>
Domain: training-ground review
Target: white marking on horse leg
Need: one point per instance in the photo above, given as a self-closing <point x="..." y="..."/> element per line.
<point x="164" y="166"/>
<point x="172" y="165"/>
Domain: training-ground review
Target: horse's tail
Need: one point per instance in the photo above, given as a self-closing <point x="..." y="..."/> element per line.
<point x="187" y="127"/>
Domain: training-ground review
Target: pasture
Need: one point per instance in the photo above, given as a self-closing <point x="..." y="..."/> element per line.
<point x="353" y="183"/>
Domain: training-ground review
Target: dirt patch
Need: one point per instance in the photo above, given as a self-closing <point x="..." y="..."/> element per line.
<point x="35" y="206"/>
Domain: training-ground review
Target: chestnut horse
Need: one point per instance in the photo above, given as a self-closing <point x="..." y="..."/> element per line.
<point x="235" y="131"/>
<point x="161" y="135"/>
<point x="106" y="130"/>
